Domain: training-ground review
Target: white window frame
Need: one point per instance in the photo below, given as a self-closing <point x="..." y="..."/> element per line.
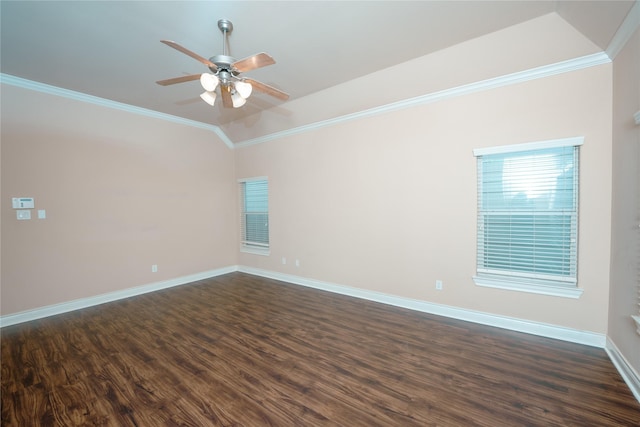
<point x="636" y="318"/>
<point x="520" y="282"/>
<point x="247" y="246"/>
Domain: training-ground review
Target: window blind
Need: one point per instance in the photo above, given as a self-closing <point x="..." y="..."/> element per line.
<point x="528" y="214"/>
<point x="255" y="213"/>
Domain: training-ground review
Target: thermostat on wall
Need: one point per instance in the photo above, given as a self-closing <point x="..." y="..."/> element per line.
<point x="23" y="203"/>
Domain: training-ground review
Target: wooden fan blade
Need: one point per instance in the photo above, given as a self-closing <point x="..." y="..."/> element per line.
<point x="186" y="51"/>
<point x="269" y="90"/>
<point x="227" y="102"/>
<point x="175" y="80"/>
<point x="252" y="62"/>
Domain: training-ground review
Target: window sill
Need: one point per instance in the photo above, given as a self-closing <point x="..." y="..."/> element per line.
<point x="255" y="250"/>
<point x="528" y="286"/>
<point x="637" y="320"/>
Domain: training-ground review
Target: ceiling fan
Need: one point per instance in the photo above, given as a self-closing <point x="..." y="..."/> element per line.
<point x="234" y="89"/>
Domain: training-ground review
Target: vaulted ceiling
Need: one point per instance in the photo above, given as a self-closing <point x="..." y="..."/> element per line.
<point x="112" y="50"/>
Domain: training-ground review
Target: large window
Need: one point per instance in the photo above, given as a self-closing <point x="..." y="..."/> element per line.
<point x="254" y="199"/>
<point x="528" y="217"/>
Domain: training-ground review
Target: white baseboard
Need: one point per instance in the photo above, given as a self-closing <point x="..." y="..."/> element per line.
<point x="627" y="372"/>
<point x="51" y="310"/>
<point x="519" y="325"/>
<point x="541" y="329"/>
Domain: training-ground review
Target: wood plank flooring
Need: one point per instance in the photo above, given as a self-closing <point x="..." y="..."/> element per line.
<point x="240" y="350"/>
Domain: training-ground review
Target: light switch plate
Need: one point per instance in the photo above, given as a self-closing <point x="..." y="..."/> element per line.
<point x="42" y="214"/>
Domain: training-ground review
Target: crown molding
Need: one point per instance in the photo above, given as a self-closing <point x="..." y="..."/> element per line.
<point x="83" y="97"/>
<point x="492" y="83"/>
<point x="627" y="28"/>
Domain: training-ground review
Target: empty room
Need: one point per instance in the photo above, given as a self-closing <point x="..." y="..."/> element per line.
<point x="320" y="213"/>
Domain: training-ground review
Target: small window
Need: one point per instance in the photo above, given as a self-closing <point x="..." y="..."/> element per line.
<point x="528" y="217"/>
<point x="254" y="221"/>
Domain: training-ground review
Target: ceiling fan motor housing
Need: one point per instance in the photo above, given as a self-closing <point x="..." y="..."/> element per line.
<point x="223" y="62"/>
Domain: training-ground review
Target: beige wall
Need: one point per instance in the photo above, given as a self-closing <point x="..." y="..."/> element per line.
<point x="121" y="192"/>
<point x="384" y="203"/>
<point x="388" y="203"/>
<point x="625" y="239"/>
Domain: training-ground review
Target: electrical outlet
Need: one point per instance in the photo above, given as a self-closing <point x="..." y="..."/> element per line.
<point x="297" y="263"/>
<point x="154" y="268"/>
<point x="439" y="285"/>
<point x="284" y="260"/>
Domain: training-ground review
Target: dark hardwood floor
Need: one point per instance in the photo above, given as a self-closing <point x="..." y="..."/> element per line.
<point x="242" y="350"/>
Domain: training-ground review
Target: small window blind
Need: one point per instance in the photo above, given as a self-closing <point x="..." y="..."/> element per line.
<point x="254" y="195"/>
<point x="528" y="212"/>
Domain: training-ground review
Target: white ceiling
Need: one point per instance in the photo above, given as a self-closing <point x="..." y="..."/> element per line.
<point x="112" y="49"/>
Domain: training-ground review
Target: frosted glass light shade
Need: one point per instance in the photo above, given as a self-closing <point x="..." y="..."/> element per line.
<point x="209" y="82"/>
<point x="237" y="99"/>
<point x="244" y="89"/>
<point x="209" y="97"/>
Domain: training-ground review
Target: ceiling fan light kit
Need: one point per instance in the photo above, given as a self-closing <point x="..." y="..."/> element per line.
<point x="209" y="97"/>
<point x="237" y="100"/>
<point x="244" y="89"/>
<point x="209" y="82"/>
<point x="225" y="74"/>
